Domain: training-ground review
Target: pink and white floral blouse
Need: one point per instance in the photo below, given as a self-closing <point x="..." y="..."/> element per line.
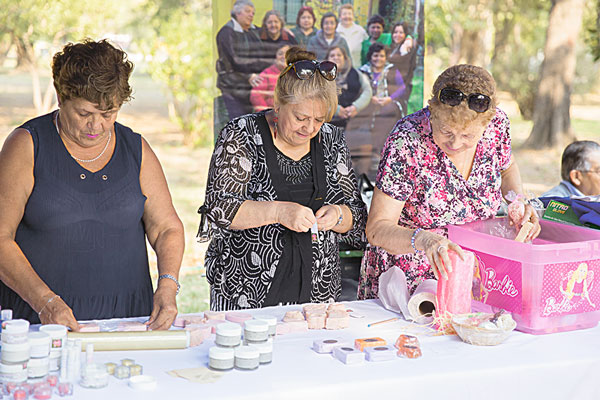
<point x="413" y="169"/>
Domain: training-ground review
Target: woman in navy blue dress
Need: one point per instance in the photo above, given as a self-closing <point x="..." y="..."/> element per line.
<point x="79" y="195"/>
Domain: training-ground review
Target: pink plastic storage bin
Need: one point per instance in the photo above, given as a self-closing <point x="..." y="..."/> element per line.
<point x="550" y="285"/>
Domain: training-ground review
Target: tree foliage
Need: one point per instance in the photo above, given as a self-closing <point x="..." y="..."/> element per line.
<point x="177" y="37"/>
<point x="39" y="28"/>
<point x="515" y="33"/>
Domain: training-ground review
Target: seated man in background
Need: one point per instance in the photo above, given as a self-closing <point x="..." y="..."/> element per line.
<point x="580" y="171"/>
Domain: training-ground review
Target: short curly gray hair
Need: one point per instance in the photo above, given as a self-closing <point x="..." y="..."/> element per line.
<point x="239" y="5"/>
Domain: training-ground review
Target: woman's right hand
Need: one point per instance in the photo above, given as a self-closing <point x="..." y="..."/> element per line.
<point x="436" y="249"/>
<point x="58" y="312"/>
<point x="295" y="216"/>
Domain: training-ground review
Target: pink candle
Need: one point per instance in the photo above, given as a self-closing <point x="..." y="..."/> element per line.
<point x="454" y="293"/>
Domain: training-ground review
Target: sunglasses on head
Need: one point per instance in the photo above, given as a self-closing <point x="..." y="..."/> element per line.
<point x="304" y="69"/>
<point x="477" y="102"/>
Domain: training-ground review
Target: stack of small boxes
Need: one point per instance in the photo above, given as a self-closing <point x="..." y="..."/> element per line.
<point x="371" y="349"/>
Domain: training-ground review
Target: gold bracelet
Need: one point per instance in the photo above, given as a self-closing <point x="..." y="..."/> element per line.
<point x="48" y="302"/>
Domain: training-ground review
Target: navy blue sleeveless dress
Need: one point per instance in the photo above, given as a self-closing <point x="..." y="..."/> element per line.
<point x="82" y="231"/>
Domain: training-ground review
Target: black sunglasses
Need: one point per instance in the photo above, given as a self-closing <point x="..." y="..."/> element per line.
<point x="477" y="102"/>
<point x="304" y="69"/>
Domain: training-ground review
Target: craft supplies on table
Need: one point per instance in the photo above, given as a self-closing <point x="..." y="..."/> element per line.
<point x="255" y="331"/>
<point x="221" y="358"/>
<point x="228" y="334"/>
<point x="545" y="285"/>
<point x="380" y="353"/>
<point x="348" y="355"/>
<point x="246" y="358"/>
<point x="148" y="340"/>
<point x="327" y="345"/>
<point x="142" y="382"/>
<point x="361" y="344"/>
<point x="394" y="295"/>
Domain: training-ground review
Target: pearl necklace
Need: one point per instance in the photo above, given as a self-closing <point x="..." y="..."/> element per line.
<point x="79" y="159"/>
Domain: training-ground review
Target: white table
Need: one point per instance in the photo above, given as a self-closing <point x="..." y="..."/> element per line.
<point x="560" y="366"/>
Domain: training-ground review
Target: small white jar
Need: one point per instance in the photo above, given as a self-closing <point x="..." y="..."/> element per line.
<point x="38" y="367"/>
<point x="40" y="344"/>
<point x="94" y="376"/>
<point x="265" y="351"/>
<point x="256" y="331"/>
<point x="15" y="373"/>
<point x="15" y="353"/>
<point x="246" y="358"/>
<point x="6" y="315"/>
<point x="228" y="334"/>
<point x="15" y="331"/>
<point x="58" y="335"/>
<point x="271" y="321"/>
<point x="221" y="358"/>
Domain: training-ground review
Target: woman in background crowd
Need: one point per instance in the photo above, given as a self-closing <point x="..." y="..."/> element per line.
<point x="353" y="33"/>
<point x="404" y="58"/>
<point x="261" y="96"/>
<point x="376" y="121"/>
<point x="327" y="37"/>
<point x="273" y="34"/>
<point x="354" y="90"/>
<point x="305" y="25"/>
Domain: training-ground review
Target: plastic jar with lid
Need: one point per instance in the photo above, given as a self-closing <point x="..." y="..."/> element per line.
<point x="15" y="353"/>
<point x="228" y="334"/>
<point x="40" y="344"/>
<point x="15" y="331"/>
<point x="256" y="331"/>
<point x="246" y="358"/>
<point x="271" y="321"/>
<point x="13" y="373"/>
<point x="58" y="336"/>
<point x="38" y="367"/>
<point x="221" y="358"/>
<point x="94" y="376"/>
<point x="265" y="351"/>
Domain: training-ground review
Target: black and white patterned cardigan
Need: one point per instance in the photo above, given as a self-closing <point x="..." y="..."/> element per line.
<point x="240" y="264"/>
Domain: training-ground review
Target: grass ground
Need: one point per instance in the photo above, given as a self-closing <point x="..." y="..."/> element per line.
<point x="186" y="168"/>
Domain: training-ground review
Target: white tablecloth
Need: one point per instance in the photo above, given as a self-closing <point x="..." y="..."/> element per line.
<point x="560" y="366"/>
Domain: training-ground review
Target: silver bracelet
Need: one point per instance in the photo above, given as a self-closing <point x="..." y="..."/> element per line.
<point x="50" y="300"/>
<point x="341" y="217"/>
<point x="171" y="277"/>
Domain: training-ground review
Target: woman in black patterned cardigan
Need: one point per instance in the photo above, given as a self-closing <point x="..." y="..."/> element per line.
<point x="281" y="194"/>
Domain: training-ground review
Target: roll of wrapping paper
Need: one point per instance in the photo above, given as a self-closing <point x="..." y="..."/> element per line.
<point x="422" y="301"/>
<point x="149" y="340"/>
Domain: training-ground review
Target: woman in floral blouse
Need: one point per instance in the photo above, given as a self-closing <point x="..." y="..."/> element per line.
<point x="449" y="163"/>
<point x="281" y="194"/>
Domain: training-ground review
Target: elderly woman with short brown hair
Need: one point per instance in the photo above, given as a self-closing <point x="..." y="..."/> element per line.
<point x="449" y="163"/>
<point x="79" y="196"/>
<point x="281" y="194"/>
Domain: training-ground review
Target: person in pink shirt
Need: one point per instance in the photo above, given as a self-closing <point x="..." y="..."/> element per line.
<point x="261" y="95"/>
<point x="449" y="163"/>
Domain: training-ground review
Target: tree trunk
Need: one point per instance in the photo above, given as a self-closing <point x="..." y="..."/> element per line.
<point x="551" y="117"/>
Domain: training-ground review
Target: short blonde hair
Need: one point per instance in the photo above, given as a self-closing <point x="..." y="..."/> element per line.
<point x="468" y="79"/>
<point x="291" y="90"/>
<point x="345" y="7"/>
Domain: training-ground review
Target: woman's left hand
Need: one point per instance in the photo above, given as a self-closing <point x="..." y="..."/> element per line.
<point x="164" y="309"/>
<point x="327" y="217"/>
<point x="531" y="216"/>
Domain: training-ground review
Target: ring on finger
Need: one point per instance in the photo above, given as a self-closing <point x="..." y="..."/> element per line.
<point x="439" y="249"/>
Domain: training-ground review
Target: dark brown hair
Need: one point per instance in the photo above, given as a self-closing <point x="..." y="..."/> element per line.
<point x="307" y="9"/>
<point x="94" y="71"/>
